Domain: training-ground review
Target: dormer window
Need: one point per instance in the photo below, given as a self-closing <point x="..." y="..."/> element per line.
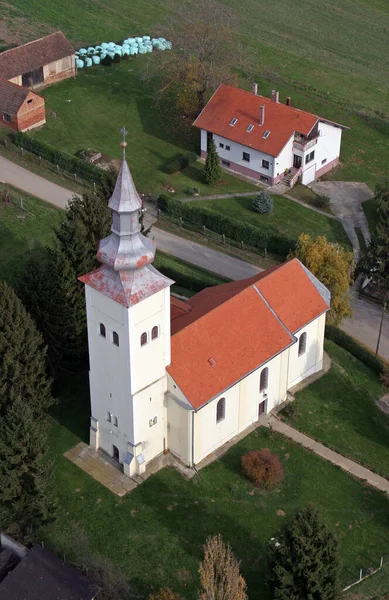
<point x="250" y="128"/>
<point x="266" y="134"/>
<point x="233" y="122"/>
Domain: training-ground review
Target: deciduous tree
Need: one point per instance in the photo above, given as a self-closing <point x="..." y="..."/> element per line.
<point x="333" y="266"/>
<point x="25" y="498"/>
<point x="304" y="559"/>
<point x="219" y="572"/>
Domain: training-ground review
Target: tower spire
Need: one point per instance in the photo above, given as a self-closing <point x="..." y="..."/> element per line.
<point x="124" y="133"/>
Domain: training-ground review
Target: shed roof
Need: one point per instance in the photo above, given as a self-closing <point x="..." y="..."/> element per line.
<point x="35" y="54"/>
<point x="280" y="120"/>
<point x="12" y="96"/>
<point x="42" y="576"/>
<point x="240" y="325"/>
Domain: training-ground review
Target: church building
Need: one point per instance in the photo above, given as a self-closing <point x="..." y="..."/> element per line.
<point x="187" y="376"/>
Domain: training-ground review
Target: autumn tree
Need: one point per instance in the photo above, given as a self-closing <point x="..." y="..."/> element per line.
<point x="333" y="266"/>
<point x="165" y="594"/>
<point x="25" y="498"/>
<point x="219" y="572"/>
<point x="304" y="559"/>
<point x="204" y="48"/>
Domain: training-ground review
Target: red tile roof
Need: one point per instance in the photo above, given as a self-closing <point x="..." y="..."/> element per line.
<point x="33" y="55"/>
<point x="281" y="120"/>
<point x="12" y="96"/>
<point x="221" y="322"/>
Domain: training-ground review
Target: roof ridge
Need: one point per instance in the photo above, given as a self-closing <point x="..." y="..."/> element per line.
<point x="33" y="41"/>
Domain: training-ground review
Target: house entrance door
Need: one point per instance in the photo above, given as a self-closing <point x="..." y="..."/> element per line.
<point x="261" y="409"/>
<point x="297" y="161"/>
<point x="115" y="453"/>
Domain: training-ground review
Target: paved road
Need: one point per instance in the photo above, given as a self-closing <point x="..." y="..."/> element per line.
<point x="364" y="325"/>
<point x="33" y="184"/>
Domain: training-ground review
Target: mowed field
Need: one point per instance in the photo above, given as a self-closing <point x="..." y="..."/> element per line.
<point x="330" y="57"/>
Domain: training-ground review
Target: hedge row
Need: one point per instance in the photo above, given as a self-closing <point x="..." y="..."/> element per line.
<point x="230" y="227"/>
<point x="67" y="162"/>
<point x="360" y="352"/>
<point x="189" y="278"/>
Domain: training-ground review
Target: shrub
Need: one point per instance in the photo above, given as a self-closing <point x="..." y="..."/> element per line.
<point x="360" y="352"/>
<point x="263" y="203"/>
<point x="290" y="411"/>
<point x="263" y="468"/>
<point x="321" y="201"/>
<point x="179" y="162"/>
<point x="165" y="594"/>
<point x="172" y="167"/>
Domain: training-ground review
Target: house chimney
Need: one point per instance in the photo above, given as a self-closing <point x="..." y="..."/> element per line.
<point x="262" y="114"/>
<point x="255" y="89"/>
<point x="275" y="96"/>
<point x="289" y="101"/>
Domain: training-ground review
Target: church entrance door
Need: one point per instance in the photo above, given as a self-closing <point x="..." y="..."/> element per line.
<point x="261" y="409"/>
<point x="115" y="453"/>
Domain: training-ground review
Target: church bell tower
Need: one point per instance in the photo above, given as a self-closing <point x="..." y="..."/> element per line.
<point x="128" y="315"/>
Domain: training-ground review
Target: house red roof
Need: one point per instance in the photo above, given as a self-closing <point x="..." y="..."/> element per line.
<point x="281" y="120"/>
<point x="231" y="329"/>
<point x="35" y="54"/>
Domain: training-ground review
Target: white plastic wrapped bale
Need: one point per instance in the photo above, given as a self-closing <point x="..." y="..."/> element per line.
<point x="79" y="63"/>
<point x="96" y="59"/>
<point x="82" y="51"/>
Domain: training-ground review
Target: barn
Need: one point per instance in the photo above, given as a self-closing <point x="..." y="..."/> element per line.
<point x="38" y="63"/>
<point x="21" y="109"/>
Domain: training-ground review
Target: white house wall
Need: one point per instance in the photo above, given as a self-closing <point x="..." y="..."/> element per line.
<point x="328" y="145"/>
<point x="311" y="361"/>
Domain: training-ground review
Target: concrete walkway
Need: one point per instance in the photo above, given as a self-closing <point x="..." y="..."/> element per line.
<point x="346" y="203"/>
<point x="376" y="481"/>
<point x="33" y="184"/>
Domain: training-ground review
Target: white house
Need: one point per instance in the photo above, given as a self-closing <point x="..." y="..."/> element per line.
<point x="267" y="140"/>
<point x="188" y="376"/>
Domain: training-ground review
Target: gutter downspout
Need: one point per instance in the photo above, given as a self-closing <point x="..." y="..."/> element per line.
<point x="193" y="438"/>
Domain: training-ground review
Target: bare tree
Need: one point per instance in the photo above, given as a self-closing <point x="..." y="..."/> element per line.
<point x="219" y="572"/>
<point x="204" y="48"/>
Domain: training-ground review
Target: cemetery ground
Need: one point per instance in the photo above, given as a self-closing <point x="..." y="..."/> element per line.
<point x="340" y="411"/>
<point x="155" y="533"/>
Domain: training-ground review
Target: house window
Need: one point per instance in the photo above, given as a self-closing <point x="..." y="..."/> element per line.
<point x="102" y="330"/>
<point x="264" y="179"/>
<point x="143" y="338"/>
<point x="29" y="101"/>
<point x="302" y="343"/>
<point x="7" y="117"/>
<point x="115" y="421"/>
<point x="226" y="163"/>
<point x="228" y="147"/>
<point x="264" y="380"/>
<point x="220" y="410"/>
<point x="246" y="156"/>
<point x="152" y="421"/>
<point x="115" y="338"/>
<point x="221" y="145"/>
<point x="323" y="162"/>
<point x="265" y="164"/>
<point x="109" y="417"/>
<point x="309" y="158"/>
<point x="155" y="332"/>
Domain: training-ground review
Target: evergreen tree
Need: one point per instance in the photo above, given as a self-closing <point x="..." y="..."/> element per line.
<point x="24" y="397"/>
<point x="212" y="171"/>
<point x="304" y="559"/>
<point x="263" y="203"/>
<point x="374" y="262"/>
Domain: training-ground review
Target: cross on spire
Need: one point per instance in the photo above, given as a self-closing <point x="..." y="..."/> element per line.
<point x="123" y="144"/>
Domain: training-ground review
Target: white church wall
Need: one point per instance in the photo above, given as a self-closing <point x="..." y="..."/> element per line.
<point x="109" y="382"/>
<point x="149" y="409"/>
<point x="149" y="361"/>
<point x="311" y="361"/>
<point x="179" y="427"/>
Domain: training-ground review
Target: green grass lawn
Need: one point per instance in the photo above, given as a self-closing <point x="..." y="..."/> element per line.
<point x="22" y="233"/>
<point x="305" y="194"/>
<point x="91" y="109"/>
<point x="339" y="410"/>
<point x="288" y="218"/>
<point x="155" y="534"/>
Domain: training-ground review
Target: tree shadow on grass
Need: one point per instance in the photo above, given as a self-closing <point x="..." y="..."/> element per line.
<point x="73" y="404"/>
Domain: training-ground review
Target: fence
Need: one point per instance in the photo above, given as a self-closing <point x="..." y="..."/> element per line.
<point x="208" y="234"/>
<point x="369" y="572"/>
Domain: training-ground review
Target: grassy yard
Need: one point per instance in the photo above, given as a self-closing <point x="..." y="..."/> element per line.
<point x="340" y="411"/>
<point x="288" y="218"/>
<point x="155" y="534"/>
<point x="22" y="233"/>
<point x="305" y="194"/>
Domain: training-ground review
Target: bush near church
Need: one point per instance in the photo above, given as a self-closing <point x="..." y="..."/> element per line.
<point x="263" y="468"/>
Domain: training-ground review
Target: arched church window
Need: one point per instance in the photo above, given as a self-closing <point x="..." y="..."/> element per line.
<point x="302" y="343"/>
<point x="109" y="417"/>
<point x="102" y="330"/>
<point x="220" y="410"/>
<point x="143" y="338"/>
<point x="115" y="338"/>
<point x="264" y="380"/>
<point x="155" y="332"/>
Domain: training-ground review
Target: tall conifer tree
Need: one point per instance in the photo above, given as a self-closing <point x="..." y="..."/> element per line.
<point x="212" y="170"/>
